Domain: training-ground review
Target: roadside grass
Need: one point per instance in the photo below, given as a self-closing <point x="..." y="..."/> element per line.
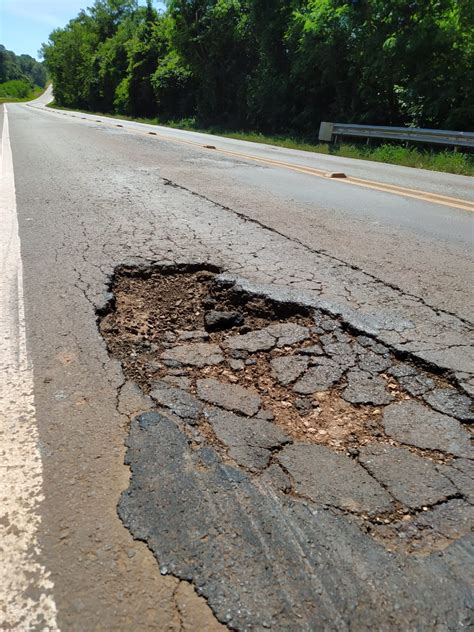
<point x="446" y="160"/>
<point x="18" y="91"/>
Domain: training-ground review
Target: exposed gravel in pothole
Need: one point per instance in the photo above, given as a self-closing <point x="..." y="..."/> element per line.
<point x="192" y="342"/>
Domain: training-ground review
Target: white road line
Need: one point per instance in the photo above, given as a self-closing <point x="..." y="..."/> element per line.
<point x="26" y="592"/>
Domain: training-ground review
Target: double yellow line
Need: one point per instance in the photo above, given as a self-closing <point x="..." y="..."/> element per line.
<point x="425" y="196"/>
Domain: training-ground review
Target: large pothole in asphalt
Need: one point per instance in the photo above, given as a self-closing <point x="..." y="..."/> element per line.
<point x="286" y="393"/>
<point x="278" y="449"/>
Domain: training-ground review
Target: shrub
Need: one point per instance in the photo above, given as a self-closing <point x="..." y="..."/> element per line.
<point x="15" y="89"/>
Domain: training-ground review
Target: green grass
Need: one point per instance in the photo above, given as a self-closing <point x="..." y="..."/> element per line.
<point x="18" y="91"/>
<point x="446" y="160"/>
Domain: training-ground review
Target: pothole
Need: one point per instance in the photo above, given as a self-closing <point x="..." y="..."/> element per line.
<point x="251" y="376"/>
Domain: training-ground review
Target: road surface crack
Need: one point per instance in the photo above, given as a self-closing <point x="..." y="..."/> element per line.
<point x="321" y="253"/>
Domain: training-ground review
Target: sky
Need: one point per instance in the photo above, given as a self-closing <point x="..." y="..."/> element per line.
<point x="26" y="24"/>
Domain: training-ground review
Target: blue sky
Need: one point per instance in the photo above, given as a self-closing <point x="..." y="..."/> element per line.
<point x="26" y="24"/>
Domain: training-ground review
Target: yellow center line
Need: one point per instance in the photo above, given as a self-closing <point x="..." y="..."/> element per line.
<point x="368" y="184"/>
<point x="416" y="191"/>
<point x="425" y="196"/>
<point x="434" y="198"/>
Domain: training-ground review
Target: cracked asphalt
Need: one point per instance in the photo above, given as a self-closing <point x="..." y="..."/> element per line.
<point x="91" y="197"/>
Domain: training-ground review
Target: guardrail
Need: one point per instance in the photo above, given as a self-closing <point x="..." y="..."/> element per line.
<point x="329" y="132"/>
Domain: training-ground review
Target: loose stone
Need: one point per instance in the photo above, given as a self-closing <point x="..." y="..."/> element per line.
<point x="370" y="343"/>
<point x="312" y="350"/>
<point x="466" y="382"/>
<point x="338" y="348"/>
<point x="417" y="385"/>
<point x="411" y="479"/>
<point x="365" y="388"/>
<point x="461" y="473"/>
<point x="178" y="380"/>
<point x="303" y="406"/>
<point x="373" y="362"/>
<point x="229" y="396"/>
<point x="180" y="402"/>
<point x="320" y="377"/>
<point x="414" y="424"/>
<point x="197" y="334"/>
<point x="254" y="341"/>
<point x="238" y="354"/>
<point x="249" y="441"/>
<point x="450" y="402"/>
<point x="132" y="400"/>
<point x="237" y="365"/>
<point x="200" y="354"/>
<point x="276" y="477"/>
<point x="327" y="323"/>
<point x="431" y="530"/>
<point x="334" y="479"/>
<point x="217" y="321"/>
<point x="265" y="414"/>
<point x="287" y="369"/>
<point x="401" y="370"/>
<point x="288" y="334"/>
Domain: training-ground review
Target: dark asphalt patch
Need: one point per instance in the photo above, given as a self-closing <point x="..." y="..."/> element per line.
<point x="265" y="561"/>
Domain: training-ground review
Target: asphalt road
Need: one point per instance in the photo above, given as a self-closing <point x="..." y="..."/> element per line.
<point x="421" y="247"/>
<point x="93" y="193"/>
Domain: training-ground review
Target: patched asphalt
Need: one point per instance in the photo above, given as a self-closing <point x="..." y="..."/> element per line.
<point x="264" y="561"/>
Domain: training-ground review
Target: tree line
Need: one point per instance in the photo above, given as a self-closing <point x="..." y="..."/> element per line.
<point x="21" y="68"/>
<point x="271" y="65"/>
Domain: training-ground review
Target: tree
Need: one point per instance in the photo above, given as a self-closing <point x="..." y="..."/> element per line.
<point x="108" y="15"/>
<point x="173" y="82"/>
<point x="22" y="67"/>
<point x="269" y="96"/>
<point x="213" y="39"/>
<point x="144" y="50"/>
<point x="272" y="65"/>
<point x="69" y="56"/>
<point x="383" y="62"/>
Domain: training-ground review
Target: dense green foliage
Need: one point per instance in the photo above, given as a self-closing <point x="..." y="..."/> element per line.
<point x="21" y="68"/>
<point x="271" y="65"/>
<point x="15" y="89"/>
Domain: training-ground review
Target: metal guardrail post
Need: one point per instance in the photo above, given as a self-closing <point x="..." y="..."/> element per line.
<point x="325" y="132"/>
<point x="329" y="131"/>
